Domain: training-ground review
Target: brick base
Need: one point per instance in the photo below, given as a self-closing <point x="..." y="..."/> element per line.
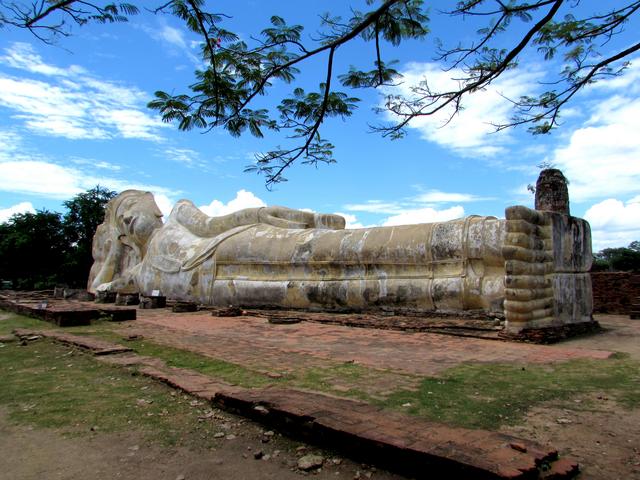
<point x="553" y="334"/>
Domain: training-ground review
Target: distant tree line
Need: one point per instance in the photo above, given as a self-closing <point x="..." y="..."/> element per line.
<point x="45" y="249"/>
<point x="618" y="259"/>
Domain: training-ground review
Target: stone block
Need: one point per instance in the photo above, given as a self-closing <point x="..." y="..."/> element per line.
<point x="127" y="299"/>
<point x="118" y="314"/>
<point x="153" y="301"/>
<point x="105" y="297"/>
<point x="182" y="307"/>
<point x="77" y="294"/>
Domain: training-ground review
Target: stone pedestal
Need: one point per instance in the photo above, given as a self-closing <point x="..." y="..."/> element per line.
<point x="127" y="299"/>
<point x="105" y="297"/>
<point x="76" y="294"/>
<point x="181" y="307"/>
<point x="153" y="302"/>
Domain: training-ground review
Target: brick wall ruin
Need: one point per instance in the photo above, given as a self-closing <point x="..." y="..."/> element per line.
<point x="615" y="292"/>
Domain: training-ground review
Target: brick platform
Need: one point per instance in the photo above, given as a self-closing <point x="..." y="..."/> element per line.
<point x="256" y="343"/>
<point x="406" y="444"/>
<point x="64" y="313"/>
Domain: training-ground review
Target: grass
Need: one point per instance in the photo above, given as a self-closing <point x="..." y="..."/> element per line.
<point x="314" y="378"/>
<point x="487" y="396"/>
<point x="11" y="321"/>
<point x="49" y="385"/>
<point x="226" y="371"/>
<point x="468" y="395"/>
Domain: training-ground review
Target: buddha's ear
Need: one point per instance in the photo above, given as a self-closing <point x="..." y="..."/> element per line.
<point x="125" y="240"/>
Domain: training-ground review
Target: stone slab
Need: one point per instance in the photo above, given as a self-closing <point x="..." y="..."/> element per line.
<point x="392" y="440"/>
<point x="118" y="314"/>
<point x="94" y="345"/>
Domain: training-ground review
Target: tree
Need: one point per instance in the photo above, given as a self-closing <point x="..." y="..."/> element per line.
<point x="32" y="249"/>
<point x="618" y="259"/>
<point x="85" y="212"/>
<point x="45" y="249"/>
<point x="239" y="71"/>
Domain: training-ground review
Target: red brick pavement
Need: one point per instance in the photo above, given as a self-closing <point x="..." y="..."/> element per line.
<point x="254" y="341"/>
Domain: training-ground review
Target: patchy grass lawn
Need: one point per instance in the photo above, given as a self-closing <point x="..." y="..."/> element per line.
<point x="470" y="395"/>
<point x="49" y="385"/>
<point x="11" y="321"/>
<point x="490" y="395"/>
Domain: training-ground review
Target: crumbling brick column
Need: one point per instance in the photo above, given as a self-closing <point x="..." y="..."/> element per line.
<point x="552" y="194"/>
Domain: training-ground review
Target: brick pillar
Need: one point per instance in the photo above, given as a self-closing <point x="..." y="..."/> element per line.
<point x="552" y="193"/>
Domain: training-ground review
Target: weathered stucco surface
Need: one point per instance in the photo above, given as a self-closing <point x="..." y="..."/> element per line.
<point x="547" y="260"/>
<point x="531" y="266"/>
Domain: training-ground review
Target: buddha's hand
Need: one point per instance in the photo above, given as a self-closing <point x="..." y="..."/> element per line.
<point x="289" y="218"/>
<point x="105" y="287"/>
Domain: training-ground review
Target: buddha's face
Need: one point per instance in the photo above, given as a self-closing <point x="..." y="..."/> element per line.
<point x="139" y="217"/>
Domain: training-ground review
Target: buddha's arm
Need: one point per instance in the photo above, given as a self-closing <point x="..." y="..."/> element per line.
<point x="202" y="225"/>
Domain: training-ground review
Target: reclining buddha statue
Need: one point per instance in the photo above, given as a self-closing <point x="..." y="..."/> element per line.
<point x="531" y="267"/>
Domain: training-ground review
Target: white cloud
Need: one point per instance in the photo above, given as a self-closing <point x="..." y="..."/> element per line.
<point x="164" y="202"/>
<point x="41" y="178"/>
<point x="71" y="103"/>
<point x="629" y="81"/>
<point x="22" y="207"/>
<point x="421" y="208"/>
<point x="22" y="57"/>
<point x="27" y="172"/>
<point x="187" y="157"/>
<point x="614" y="223"/>
<point x="613" y="214"/>
<point x="375" y="206"/>
<point x="48" y="179"/>
<point x="130" y="123"/>
<point x="9" y="144"/>
<point x="424" y="215"/>
<point x="352" y="221"/>
<point x="243" y="199"/>
<point x="470" y="132"/>
<point x="101" y="164"/>
<point x="601" y="159"/>
<point x="182" y="155"/>
<point x="173" y="36"/>
<point x="175" y="39"/>
<point x="437" y="196"/>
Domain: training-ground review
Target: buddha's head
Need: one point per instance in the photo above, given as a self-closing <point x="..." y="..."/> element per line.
<point x="121" y="241"/>
<point x="136" y="216"/>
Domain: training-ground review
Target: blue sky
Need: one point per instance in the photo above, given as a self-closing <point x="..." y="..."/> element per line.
<point x="73" y="115"/>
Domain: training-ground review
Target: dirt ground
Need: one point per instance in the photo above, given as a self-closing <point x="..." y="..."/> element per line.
<point x="605" y="439"/>
<point x="620" y="335"/>
<point x="37" y="454"/>
<point x="602" y="435"/>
